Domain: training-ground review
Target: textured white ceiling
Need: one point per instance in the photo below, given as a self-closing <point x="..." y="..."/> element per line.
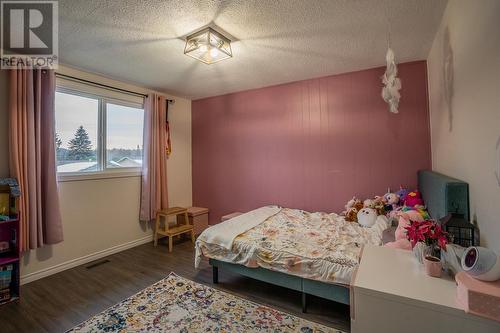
<point x="275" y="41"/>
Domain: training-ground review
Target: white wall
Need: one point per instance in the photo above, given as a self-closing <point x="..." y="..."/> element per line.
<point x="466" y="126"/>
<point x="102" y="215"/>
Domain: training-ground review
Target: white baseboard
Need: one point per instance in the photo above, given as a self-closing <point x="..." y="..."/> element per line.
<point x="83" y="260"/>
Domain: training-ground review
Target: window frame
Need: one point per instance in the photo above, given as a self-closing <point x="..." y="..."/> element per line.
<point x="103" y="171"/>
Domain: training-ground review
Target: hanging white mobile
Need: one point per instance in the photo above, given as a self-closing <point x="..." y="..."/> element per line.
<point x="392" y="84"/>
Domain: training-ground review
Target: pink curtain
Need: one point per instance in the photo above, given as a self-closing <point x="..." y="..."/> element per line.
<point x="154" y="194"/>
<point x="32" y="156"/>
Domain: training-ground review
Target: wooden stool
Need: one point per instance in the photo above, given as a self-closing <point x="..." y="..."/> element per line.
<point x="171" y="231"/>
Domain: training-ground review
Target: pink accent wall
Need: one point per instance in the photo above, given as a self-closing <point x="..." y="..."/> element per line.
<point x="311" y="144"/>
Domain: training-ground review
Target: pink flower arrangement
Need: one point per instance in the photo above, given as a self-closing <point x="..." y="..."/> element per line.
<point x="428" y="232"/>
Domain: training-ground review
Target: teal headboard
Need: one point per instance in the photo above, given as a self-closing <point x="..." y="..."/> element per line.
<point x="443" y="195"/>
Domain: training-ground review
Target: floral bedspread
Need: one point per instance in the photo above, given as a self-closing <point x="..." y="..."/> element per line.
<point x="316" y="246"/>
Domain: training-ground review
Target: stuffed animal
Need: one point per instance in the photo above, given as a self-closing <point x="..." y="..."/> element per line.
<point x="379" y="205"/>
<point x="352" y="208"/>
<point x="369" y="203"/>
<point x="401" y="242"/>
<point x="420" y="209"/>
<point x="367" y="217"/>
<point x="379" y="200"/>
<point x="351" y="215"/>
<point x="350" y="203"/>
<point x="401" y="193"/>
<point x="413" y="199"/>
<point x="391" y="200"/>
<point x="353" y="203"/>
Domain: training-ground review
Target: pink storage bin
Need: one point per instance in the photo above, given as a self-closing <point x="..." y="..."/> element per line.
<point x="478" y="297"/>
<point x="229" y="216"/>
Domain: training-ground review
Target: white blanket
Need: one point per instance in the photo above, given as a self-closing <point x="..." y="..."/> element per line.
<point x="224" y="233"/>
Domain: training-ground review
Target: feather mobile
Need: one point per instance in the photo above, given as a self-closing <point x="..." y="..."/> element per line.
<point x="392" y="84"/>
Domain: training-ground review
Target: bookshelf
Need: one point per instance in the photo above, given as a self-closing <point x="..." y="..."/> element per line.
<point x="9" y="241"/>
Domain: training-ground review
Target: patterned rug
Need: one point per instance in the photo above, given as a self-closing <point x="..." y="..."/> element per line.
<point x="175" y="304"/>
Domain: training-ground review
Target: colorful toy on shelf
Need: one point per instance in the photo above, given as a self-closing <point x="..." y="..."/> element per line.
<point x="4" y="204"/>
<point x="5" y="282"/>
<point x="9" y="192"/>
<point x="4" y="246"/>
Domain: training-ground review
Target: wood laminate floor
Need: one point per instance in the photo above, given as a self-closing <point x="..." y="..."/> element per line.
<point x="61" y="301"/>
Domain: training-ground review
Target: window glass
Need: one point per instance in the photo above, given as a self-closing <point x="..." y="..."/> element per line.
<point x="83" y="119"/>
<point x="123" y="136"/>
<point x="76" y="133"/>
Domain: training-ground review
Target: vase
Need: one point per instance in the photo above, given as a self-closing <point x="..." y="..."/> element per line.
<point x="420" y="250"/>
<point x="432" y="266"/>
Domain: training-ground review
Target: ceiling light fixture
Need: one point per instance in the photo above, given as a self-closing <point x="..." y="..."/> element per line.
<point x="208" y="46"/>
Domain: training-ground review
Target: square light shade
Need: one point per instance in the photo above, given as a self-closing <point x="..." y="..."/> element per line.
<point x="208" y="46"/>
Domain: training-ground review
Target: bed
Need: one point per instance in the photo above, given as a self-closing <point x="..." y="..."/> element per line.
<point x="314" y="253"/>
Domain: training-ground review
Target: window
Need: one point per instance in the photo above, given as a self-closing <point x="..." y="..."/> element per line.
<point x="77" y="119"/>
<point x="124" y="136"/>
<point x="97" y="135"/>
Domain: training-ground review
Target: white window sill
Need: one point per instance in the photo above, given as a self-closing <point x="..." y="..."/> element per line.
<point x="75" y="177"/>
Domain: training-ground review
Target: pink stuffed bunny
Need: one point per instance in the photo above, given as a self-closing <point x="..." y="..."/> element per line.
<point x="400" y="235"/>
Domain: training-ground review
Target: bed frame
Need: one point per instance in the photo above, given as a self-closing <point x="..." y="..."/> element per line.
<point x="442" y="195"/>
<point x="333" y="292"/>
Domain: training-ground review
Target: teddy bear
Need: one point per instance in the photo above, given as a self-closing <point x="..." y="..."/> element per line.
<point x="351" y="215"/>
<point x="354" y="202"/>
<point x="379" y="204"/>
<point x="352" y="208"/>
<point x="369" y="203"/>
<point x="350" y="203"/>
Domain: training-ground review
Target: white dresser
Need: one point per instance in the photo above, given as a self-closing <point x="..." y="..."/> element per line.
<point x="392" y="293"/>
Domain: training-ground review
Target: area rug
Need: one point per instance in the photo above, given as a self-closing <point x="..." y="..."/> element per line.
<point x="175" y="304"/>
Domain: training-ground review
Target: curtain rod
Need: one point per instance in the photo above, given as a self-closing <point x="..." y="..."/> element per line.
<point x="130" y="92"/>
